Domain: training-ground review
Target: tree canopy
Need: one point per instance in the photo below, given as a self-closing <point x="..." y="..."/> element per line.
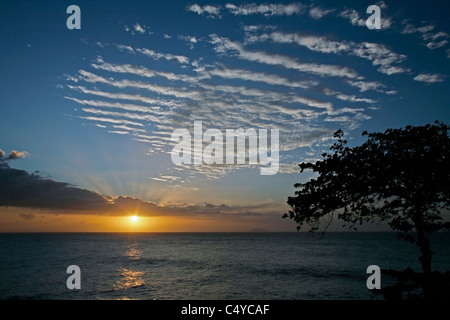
<point x="400" y="176"/>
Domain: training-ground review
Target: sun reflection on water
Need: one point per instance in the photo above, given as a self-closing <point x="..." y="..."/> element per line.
<point x="133" y="253"/>
<point x="129" y="279"/>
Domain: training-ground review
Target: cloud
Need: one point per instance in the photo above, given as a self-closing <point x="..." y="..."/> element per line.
<point x="345" y="97"/>
<point x="119" y="132"/>
<point x="108" y="104"/>
<point x="436" y="45"/>
<point x="354" y="18"/>
<point x="137" y="29"/>
<point x="125" y="48"/>
<point x="134" y="116"/>
<point x="27" y="216"/>
<point x="409" y="28"/>
<point x="167" y="56"/>
<point x="378" y="54"/>
<point x="136" y="70"/>
<point x="190" y="40"/>
<point x="367" y="85"/>
<point x="429" y="78"/>
<point x="17" y="155"/>
<point x="318" y="12"/>
<point x="431" y="40"/>
<point x="153" y="54"/>
<point x="313" y="43"/>
<point x="125" y="96"/>
<point x="265" y="9"/>
<point x="19" y="188"/>
<point x="223" y="45"/>
<point x="381" y="56"/>
<point x="382" y="4"/>
<point x="162" y="90"/>
<point x="289" y="168"/>
<point x="14" y="155"/>
<point x="209" y="10"/>
<point x="114" y="121"/>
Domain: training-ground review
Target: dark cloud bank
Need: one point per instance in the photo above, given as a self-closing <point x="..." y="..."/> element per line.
<point x="18" y="188"/>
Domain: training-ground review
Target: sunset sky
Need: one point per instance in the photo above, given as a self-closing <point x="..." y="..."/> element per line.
<point x="86" y="116"/>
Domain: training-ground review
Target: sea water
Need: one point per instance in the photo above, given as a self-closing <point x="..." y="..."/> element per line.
<point x="197" y="266"/>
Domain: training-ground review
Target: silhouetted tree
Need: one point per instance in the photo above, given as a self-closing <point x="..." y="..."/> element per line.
<point x="401" y="177"/>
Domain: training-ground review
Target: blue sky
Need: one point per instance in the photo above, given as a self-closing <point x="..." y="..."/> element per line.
<point x="96" y="107"/>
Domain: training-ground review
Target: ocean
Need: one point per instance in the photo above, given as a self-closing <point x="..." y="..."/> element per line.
<point x="204" y="266"/>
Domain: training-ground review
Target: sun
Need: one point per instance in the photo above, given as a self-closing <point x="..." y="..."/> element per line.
<point x="134" y="218"/>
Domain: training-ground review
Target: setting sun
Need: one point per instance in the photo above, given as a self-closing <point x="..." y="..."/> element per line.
<point x="134" y="218"/>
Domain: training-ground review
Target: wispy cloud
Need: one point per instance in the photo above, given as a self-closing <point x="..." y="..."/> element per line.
<point x="431" y="40"/>
<point x="115" y="121"/>
<point x="119" y="132"/>
<point x="318" y="12"/>
<point x="346" y="97"/>
<point x="364" y="86"/>
<point x="129" y="115"/>
<point x="386" y="60"/>
<point x="354" y="18"/>
<point x="190" y="40"/>
<point x="125" y="48"/>
<point x="225" y="45"/>
<point x="129" y="129"/>
<point x="153" y="54"/>
<point x="265" y="9"/>
<point x="125" y="96"/>
<point x="211" y="11"/>
<point x="137" y="70"/>
<point x="124" y="83"/>
<point x="107" y="104"/>
<point x="429" y="78"/>
<point x="167" y="56"/>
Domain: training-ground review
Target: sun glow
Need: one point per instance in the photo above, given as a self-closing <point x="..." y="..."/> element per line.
<point x="134" y="218"/>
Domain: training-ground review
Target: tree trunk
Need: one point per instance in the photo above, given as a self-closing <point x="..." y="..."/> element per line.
<point x="423" y="242"/>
